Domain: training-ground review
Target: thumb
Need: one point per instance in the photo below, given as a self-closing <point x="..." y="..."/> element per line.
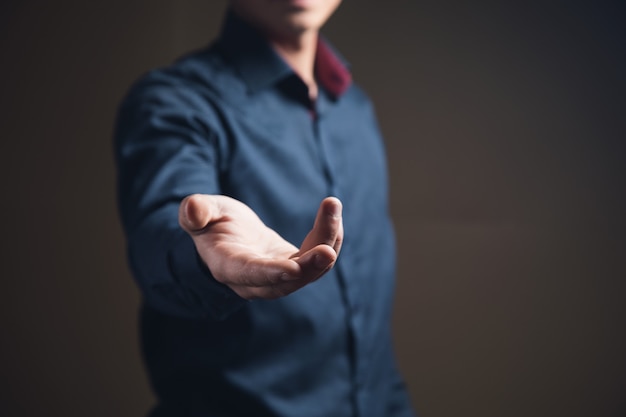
<point x="196" y="212"/>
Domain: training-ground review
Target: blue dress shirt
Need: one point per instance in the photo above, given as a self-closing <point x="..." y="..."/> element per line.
<point x="234" y="119"/>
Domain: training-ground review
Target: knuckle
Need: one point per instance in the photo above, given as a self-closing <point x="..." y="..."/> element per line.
<point x="274" y="278"/>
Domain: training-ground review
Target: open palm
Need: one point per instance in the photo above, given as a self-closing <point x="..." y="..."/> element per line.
<point x="252" y="259"/>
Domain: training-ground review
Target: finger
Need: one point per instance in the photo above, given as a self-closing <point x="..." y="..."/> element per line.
<point x="316" y="262"/>
<point x="266" y="272"/>
<point x="272" y="278"/>
<point x="267" y="278"/>
<point x="196" y="212"/>
<point x="270" y="293"/>
<point x="327" y="226"/>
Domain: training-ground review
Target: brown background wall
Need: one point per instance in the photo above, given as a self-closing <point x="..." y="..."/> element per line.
<point x="505" y="127"/>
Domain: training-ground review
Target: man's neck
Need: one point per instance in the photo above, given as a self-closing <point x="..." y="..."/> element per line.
<point x="299" y="53"/>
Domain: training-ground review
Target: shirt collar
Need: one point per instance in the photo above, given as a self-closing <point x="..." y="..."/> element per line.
<point x="260" y="66"/>
<point x="331" y="69"/>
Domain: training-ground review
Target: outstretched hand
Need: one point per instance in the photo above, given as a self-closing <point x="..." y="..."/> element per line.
<point x="252" y="259"/>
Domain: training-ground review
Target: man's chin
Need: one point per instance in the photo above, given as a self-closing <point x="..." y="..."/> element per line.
<point x="298" y="23"/>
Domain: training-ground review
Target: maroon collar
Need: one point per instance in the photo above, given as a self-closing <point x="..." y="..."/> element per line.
<point x="330" y="70"/>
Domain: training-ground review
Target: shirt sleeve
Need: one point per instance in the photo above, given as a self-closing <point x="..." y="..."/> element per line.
<point x="168" y="146"/>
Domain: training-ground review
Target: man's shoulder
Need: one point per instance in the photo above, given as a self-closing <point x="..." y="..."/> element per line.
<point x="201" y="75"/>
<point x="357" y="98"/>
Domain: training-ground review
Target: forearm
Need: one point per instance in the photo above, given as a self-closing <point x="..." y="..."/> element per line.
<point x="165" y="150"/>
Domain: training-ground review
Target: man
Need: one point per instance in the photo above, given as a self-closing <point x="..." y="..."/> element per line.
<point x="223" y="160"/>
